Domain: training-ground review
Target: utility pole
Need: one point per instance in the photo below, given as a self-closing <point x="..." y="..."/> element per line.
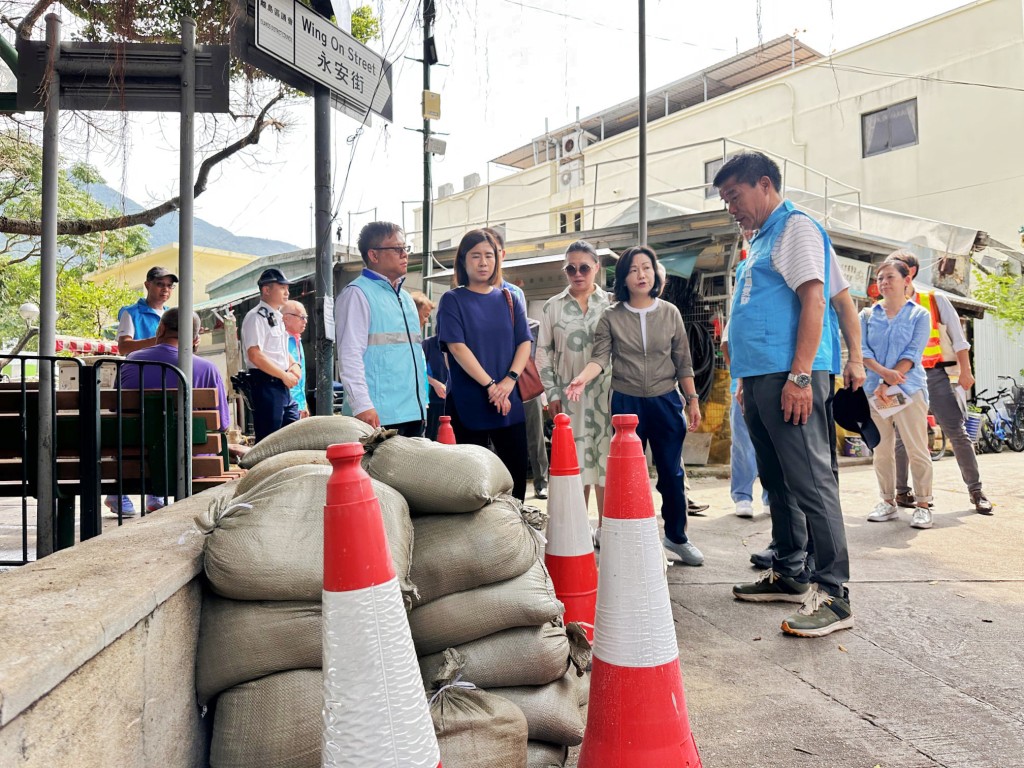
<point x="642" y="209"/>
<point x="429" y="58"/>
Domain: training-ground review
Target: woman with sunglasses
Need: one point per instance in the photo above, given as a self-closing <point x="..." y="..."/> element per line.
<point x="564" y="345"/>
<point x="483" y="329"/>
<point x="644" y="340"/>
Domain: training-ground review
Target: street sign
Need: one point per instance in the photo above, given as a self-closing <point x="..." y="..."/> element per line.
<point x="323" y="53"/>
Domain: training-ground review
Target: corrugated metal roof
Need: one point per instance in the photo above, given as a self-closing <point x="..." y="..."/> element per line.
<point x="769" y="59"/>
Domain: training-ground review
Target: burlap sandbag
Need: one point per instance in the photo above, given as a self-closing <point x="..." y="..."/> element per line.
<point x="273" y="722"/>
<point x="477" y="730"/>
<point x="552" y="710"/>
<point x="268" y="543"/>
<point x="540" y="754"/>
<point x="525" y="601"/>
<point x="274" y="464"/>
<point x="241" y="640"/>
<point x="459" y="552"/>
<point x="519" y="656"/>
<point x="436" y="478"/>
<point x="311" y="434"/>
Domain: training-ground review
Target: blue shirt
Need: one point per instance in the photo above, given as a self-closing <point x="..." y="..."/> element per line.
<point x="299" y="390"/>
<point x="902" y="338"/>
<point x="204" y="375"/>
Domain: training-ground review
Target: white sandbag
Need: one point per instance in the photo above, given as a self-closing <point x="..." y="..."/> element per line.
<point x="436" y="478"/>
<point x="311" y="434"/>
<point x="525" y="601"/>
<point x="272" y="722"/>
<point x="241" y="640"/>
<point x="455" y="553"/>
<point x="276" y="463"/>
<point x="268" y="543"/>
<point x="477" y="730"/>
<point x="552" y="710"/>
<point x="540" y="754"/>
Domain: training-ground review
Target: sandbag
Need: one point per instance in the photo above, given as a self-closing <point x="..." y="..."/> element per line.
<point x="276" y="463"/>
<point x="540" y="754"/>
<point x="519" y="656"/>
<point x="477" y="730"/>
<point x="268" y="543"/>
<point x="525" y="601"/>
<point x="272" y="722"/>
<point x="436" y="478"/>
<point x="455" y="553"/>
<point x="552" y="710"/>
<point x="241" y="640"/>
<point x="314" y="433"/>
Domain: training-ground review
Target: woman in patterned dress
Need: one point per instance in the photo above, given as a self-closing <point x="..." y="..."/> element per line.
<point x="564" y="344"/>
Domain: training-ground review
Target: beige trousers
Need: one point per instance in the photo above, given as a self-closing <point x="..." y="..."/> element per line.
<point x="912" y="422"/>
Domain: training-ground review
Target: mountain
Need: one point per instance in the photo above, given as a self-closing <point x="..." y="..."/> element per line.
<point x="204" y="233"/>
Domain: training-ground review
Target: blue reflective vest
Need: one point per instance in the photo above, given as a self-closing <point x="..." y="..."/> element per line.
<point x="766" y="311"/>
<point x="395" y="369"/>
<point x="144" y="318"/>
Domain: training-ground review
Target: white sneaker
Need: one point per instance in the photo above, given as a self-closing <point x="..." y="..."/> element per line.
<point x="686" y="552"/>
<point x="597" y="538"/>
<point x="744" y="509"/>
<point x="922" y="518"/>
<point x="883" y="512"/>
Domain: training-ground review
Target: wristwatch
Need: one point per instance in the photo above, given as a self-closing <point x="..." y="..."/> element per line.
<point x="693" y="396"/>
<point x="802" y="380"/>
<point x="512" y="375"/>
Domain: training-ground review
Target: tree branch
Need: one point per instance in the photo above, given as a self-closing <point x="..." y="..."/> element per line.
<point x="34" y="228"/>
<point x="33" y="15"/>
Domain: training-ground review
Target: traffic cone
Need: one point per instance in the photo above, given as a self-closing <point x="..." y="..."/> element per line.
<point x="375" y="709"/>
<point x="569" y="554"/>
<point x="637" y="714"/>
<point x="445" y="433"/>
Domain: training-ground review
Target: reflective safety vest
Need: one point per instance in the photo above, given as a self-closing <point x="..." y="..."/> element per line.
<point x="933" y="349"/>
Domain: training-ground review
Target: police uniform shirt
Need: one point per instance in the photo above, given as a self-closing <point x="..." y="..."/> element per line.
<point x="263" y="327"/>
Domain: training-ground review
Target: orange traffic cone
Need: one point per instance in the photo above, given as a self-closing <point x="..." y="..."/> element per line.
<point x="637" y="714"/>
<point x="569" y="554"/>
<point x="375" y="710"/>
<point x="445" y="433"/>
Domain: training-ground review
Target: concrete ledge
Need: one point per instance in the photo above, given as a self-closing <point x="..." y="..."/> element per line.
<point x="60" y="612"/>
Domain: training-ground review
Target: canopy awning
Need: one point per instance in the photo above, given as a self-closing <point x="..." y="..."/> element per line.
<point x="79" y="346"/>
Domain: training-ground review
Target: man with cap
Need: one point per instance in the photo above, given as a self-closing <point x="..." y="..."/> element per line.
<point x="272" y="370"/>
<point x="380" y="360"/>
<point x="137" y="322"/>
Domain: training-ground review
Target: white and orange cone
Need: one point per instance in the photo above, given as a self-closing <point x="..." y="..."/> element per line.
<point x="445" y="433"/>
<point x="375" y="709"/>
<point x="637" y="714"/>
<point x="569" y="555"/>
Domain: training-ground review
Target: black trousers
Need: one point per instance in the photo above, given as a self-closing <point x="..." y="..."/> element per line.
<point x="272" y="404"/>
<point x="407" y="428"/>
<point x="509" y="443"/>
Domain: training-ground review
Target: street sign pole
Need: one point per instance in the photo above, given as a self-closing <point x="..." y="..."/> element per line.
<point x="186" y="192"/>
<point x="429" y="13"/>
<point x="324" y="278"/>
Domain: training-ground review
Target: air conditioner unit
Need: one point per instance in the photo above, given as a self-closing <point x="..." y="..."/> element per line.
<point x="570" y="176"/>
<point x="445" y="190"/>
<point x="574" y="143"/>
<point x="471" y="181"/>
<point x="714" y="285"/>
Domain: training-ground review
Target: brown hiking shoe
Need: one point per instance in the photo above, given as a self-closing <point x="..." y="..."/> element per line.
<point x="981" y="504"/>
<point x="906" y="500"/>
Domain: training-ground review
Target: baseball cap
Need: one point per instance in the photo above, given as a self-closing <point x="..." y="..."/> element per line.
<point x="155" y="273"/>
<point x="272" y="275"/>
<point x="851" y="411"/>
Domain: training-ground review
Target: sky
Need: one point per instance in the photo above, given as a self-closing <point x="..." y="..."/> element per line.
<point x="511" y="64"/>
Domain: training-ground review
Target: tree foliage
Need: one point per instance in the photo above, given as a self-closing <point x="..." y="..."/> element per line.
<point x="365" y="26"/>
<point x="1005" y="291"/>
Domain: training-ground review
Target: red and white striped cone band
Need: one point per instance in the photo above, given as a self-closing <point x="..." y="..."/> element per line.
<point x="568" y="526"/>
<point x="375" y="709"/>
<point x="634" y="625"/>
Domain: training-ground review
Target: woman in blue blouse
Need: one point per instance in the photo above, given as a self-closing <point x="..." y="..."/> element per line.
<point x="894" y="332"/>
<point x="483" y="329"/>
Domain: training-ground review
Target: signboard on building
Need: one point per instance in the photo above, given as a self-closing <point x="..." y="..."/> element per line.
<point x="320" y="51"/>
<point x="858" y="274"/>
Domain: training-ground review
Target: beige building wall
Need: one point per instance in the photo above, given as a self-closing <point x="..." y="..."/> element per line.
<point x="966" y="169"/>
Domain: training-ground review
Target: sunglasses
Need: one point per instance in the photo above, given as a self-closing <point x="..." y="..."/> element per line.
<point x="583" y="269"/>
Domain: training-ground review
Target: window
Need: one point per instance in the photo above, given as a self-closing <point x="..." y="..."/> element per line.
<point x="569" y="219"/>
<point x="712" y="167"/>
<point x="890" y="128"/>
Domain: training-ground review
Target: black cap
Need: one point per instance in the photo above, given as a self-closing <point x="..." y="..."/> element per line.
<point x="851" y="411"/>
<point x="272" y="275"/>
<point x="155" y="273"/>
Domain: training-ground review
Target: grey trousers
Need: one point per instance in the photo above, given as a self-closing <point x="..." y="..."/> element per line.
<point x="535" y="441"/>
<point x="943" y="404"/>
<point x="795" y="467"/>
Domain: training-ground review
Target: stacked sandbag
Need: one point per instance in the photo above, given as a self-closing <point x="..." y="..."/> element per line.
<point x="314" y="433"/>
<point x="274" y="464"/>
<point x="476" y="729"/>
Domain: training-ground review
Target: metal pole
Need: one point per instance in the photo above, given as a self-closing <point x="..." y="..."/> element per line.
<point x="429" y="14"/>
<point x="48" y="294"/>
<point x="642" y="211"/>
<point x="185" y="265"/>
<point x="324" y="273"/>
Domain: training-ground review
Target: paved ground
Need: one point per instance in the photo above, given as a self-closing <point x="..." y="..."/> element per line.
<point x="932" y="675"/>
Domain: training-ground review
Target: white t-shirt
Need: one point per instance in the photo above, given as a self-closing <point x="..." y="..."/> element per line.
<point x="798" y="256"/>
<point x="643" y="318"/>
<point x="271" y="338"/>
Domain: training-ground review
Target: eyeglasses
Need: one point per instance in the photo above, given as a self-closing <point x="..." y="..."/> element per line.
<point x="572" y="269"/>
<point x="293" y="314"/>
<point x="406" y="248"/>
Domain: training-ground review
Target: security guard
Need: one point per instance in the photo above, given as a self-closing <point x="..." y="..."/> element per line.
<point x="272" y="370"/>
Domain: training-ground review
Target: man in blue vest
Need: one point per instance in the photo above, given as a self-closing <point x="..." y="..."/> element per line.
<point x="136" y="327"/>
<point x="380" y="360"/>
<point x="784" y="349"/>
